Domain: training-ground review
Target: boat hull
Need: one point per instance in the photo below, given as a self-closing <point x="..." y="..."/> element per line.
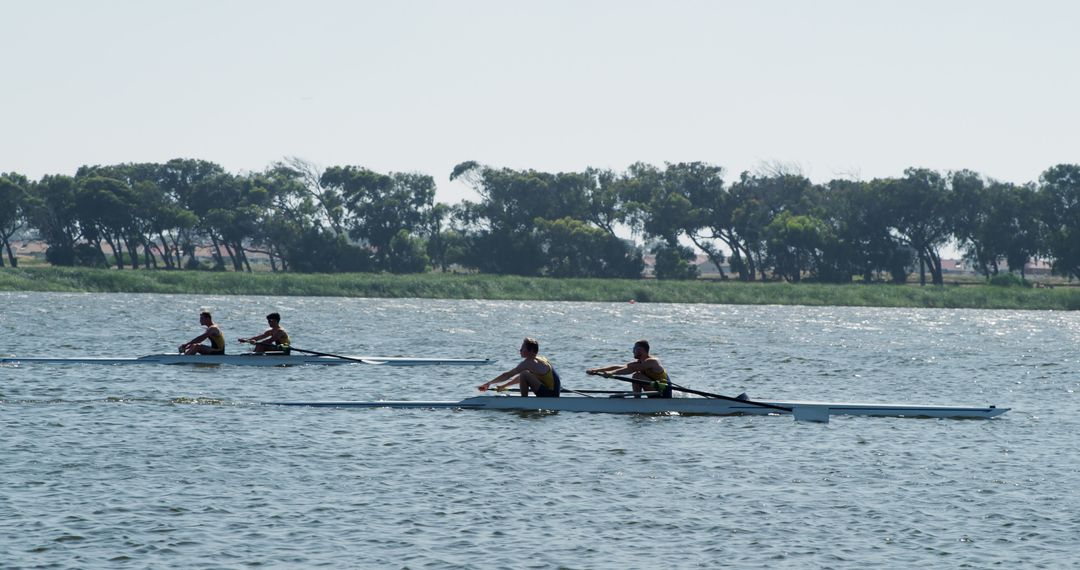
<point x="708" y="406"/>
<point x="255" y="359"/>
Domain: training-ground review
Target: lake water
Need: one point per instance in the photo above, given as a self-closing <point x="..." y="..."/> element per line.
<point x="157" y="466"/>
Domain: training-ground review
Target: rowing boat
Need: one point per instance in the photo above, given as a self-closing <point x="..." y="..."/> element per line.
<point x="815" y="411"/>
<point x="254" y="359"/>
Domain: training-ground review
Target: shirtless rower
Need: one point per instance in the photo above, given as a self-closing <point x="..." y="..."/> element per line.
<point x="274" y="338"/>
<point x="213" y="334"/>
<point x="645" y="367"/>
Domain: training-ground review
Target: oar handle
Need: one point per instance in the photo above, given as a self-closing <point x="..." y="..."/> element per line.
<point x="700" y="393"/>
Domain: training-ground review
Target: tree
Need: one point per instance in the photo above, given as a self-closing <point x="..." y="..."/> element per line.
<point x="407" y="254"/>
<point x="189" y="183"/>
<point x="757" y="200"/>
<point x="796" y="243"/>
<point x="14" y="193"/>
<point x="921" y="205"/>
<point x="858" y="216"/>
<point x="440" y="240"/>
<point x="995" y="221"/>
<point x="379" y="206"/>
<point x="685" y="200"/>
<point x="674" y="262"/>
<point x="1059" y="189"/>
<point x="51" y="209"/>
<point x="499" y="228"/>
<point x="104" y="210"/>
<point x="574" y="248"/>
<point x="329" y="206"/>
<point x="290" y="211"/>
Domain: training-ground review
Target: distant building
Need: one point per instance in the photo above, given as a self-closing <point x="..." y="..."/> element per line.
<point x="1034" y="267"/>
<point x="954" y="266"/>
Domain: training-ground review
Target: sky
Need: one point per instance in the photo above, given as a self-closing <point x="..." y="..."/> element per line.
<point x="831" y="88"/>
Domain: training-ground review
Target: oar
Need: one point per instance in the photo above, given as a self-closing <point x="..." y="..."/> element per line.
<point x="315" y="353"/>
<point x="808" y="413"/>
<point x="578" y="392"/>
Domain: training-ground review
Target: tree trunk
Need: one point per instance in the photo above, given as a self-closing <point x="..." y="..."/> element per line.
<point x="232" y="256"/>
<point x="148" y="256"/>
<point x="935" y="267"/>
<point x="219" y="260"/>
<point x="133" y="251"/>
<point x="714" y="256"/>
<point x="241" y="254"/>
<point x="180" y="241"/>
<point x="10" y="254"/>
<point x="118" y="251"/>
<point x="751" y="267"/>
<point x="270" y="255"/>
<point x="166" y="254"/>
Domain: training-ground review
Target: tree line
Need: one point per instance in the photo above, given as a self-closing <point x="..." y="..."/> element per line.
<point x="765" y="226"/>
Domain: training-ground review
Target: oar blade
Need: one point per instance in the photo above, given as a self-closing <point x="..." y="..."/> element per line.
<point x="810" y="413"/>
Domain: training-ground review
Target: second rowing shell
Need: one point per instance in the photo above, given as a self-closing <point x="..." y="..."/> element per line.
<point x="254" y="359"/>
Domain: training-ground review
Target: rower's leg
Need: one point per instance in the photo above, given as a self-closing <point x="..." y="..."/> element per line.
<point x="529" y="381"/>
<point x="638" y="387"/>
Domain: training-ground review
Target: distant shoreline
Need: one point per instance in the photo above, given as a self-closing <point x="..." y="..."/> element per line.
<point x="504" y="287"/>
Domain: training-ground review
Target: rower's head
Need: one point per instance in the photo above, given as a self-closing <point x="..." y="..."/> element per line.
<point x="205" y="318"/>
<point x="641" y="349"/>
<point x="530" y="346"/>
<point x="273" y="318"/>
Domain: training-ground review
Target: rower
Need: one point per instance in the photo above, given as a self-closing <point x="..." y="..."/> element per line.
<point x="213" y="334"/>
<point x="645" y="367"/>
<point x="273" y="339"/>
<point x="534" y="373"/>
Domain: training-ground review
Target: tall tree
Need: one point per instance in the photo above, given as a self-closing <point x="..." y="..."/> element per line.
<point x="575" y="248"/>
<point x="499" y="228"/>
<point x="758" y="199"/>
<point x="14" y="193"/>
<point x="1059" y="189"/>
<point x="189" y="183"/>
<point x="864" y="246"/>
<point x="379" y="206"/>
<point x="684" y="200"/>
<point x="105" y="212"/>
<point x="921" y="204"/>
<point x="52" y="211"/>
<point x="995" y="221"/>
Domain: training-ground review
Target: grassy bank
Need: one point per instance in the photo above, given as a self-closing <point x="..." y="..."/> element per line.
<point x="443" y="286"/>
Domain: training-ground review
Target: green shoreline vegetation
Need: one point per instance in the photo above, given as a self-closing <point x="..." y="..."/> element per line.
<point x="504" y="287"/>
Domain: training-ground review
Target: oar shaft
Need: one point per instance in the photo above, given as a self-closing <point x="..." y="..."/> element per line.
<point x="328" y="354"/>
<point x="705" y="394"/>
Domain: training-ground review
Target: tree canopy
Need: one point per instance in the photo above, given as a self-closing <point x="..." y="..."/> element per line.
<point x="775" y="225"/>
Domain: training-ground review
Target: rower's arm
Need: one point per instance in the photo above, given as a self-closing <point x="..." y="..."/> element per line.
<point x="198" y="339"/>
<point x="618" y="368"/>
<point x="256" y="338"/>
<point x="504" y="376"/>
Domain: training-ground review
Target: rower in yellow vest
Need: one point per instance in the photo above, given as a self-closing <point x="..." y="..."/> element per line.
<point x="534" y="373"/>
<point x="274" y="338"/>
<point x="213" y="334"/>
<point x="645" y="367"/>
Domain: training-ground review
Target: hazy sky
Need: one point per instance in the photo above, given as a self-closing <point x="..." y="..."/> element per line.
<point x="839" y="88"/>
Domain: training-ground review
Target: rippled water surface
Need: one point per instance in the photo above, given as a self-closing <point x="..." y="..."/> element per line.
<point x="158" y="466"/>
